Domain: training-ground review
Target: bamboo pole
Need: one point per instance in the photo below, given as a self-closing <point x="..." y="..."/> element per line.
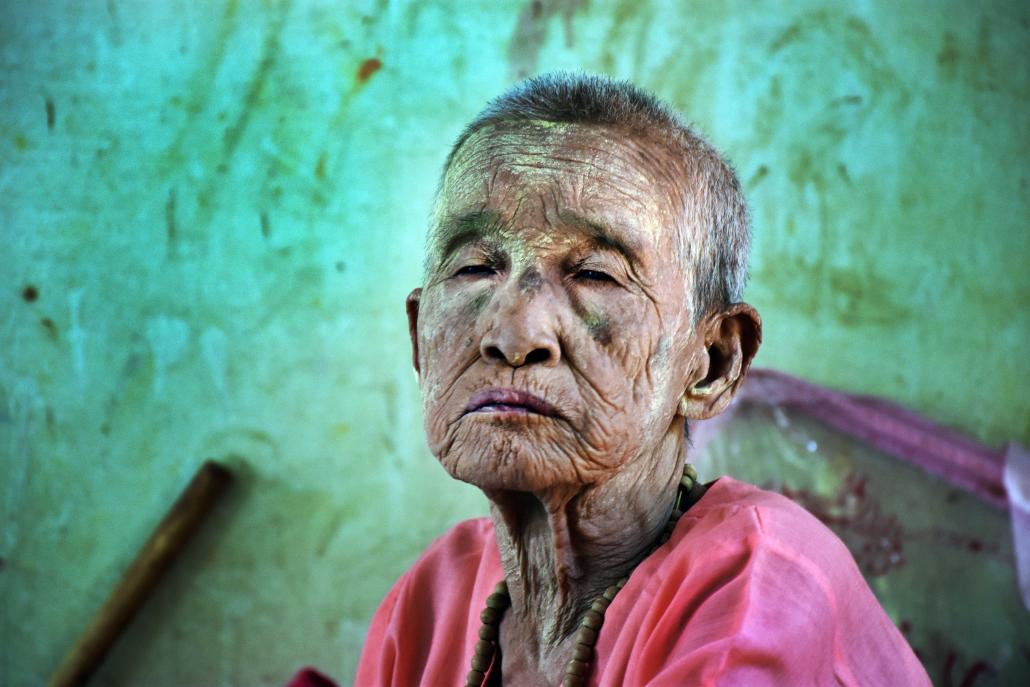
<point x="156" y="556"/>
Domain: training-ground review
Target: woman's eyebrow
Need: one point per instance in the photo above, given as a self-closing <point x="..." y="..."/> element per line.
<point x="602" y="234"/>
<point x="460" y="230"/>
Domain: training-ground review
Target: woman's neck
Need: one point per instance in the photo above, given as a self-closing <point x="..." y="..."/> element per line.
<point x="561" y="548"/>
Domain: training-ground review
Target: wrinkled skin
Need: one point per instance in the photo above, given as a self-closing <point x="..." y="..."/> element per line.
<point x="556" y="268"/>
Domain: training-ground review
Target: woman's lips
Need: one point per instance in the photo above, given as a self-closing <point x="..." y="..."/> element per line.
<point x="509" y="401"/>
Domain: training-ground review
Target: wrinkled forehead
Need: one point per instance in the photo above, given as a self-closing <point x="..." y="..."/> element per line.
<point x="525" y="167"/>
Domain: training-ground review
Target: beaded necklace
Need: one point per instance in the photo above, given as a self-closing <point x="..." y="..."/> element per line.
<point x="690" y="492"/>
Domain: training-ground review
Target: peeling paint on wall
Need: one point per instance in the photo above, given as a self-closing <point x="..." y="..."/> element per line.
<point x="213" y="213"/>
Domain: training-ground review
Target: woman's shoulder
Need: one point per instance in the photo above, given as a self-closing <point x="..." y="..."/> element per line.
<point x="465" y="552"/>
<point x="752" y="584"/>
<point x="730" y="493"/>
<point x="734" y="516"/>
<point x="731" y="503"/>
<point x="432" y="611"/>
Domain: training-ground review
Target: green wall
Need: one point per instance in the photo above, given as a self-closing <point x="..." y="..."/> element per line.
<point x="212" y="211"/>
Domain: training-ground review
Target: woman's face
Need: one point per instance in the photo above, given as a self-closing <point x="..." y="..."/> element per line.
<point x="553" y="336"/>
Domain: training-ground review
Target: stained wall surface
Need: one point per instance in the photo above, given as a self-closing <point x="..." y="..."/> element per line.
<point x="211" y="214"/>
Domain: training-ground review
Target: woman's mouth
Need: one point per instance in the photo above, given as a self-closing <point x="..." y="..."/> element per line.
<point x="497" y="400"/>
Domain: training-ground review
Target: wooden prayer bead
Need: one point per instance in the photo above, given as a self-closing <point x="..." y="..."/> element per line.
<point x="475" y="678"/>
<point x="610" y="593"/>
<point x="582" y="652"/>
<point x="501" y="588"/>
<point x="600" y="605"/>
<point x="490" y="616"/>
<point x="575" y="667"/>
<point x="586" y="635"/>
<point x="574" y="681"/>
<point x="481" y="663"/>
<point x="484" y="648"/>
<point x="488" y="632"/>
<point x="622" y="583"/>
<point x="498" y="601"/>
<point x="592" y="619"/>
<point x="690" y="471"/>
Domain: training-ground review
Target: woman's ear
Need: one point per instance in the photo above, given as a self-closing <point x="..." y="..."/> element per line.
<point x="731" y="339"/>
<point x="412" y="303"/>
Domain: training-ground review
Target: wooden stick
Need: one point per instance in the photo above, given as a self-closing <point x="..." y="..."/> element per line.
<point x="139" y="580"/>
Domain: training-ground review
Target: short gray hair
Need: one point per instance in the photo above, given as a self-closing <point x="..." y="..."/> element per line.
<point x="717" y="209"/>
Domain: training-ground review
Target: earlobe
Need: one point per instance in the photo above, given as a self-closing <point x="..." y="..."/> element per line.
<point x="412" y="304"/>
<point x="698" y="402"/>
<point x="731" y="340"/>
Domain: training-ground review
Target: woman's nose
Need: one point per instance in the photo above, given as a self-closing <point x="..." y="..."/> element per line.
<point x="523" y="332"/>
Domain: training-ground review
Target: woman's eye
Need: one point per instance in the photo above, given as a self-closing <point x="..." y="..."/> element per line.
<point x="593" y="275"/>
<point x="474" y="269"/>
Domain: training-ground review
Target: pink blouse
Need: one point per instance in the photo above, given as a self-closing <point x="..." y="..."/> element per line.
<point x="750" y="590"/>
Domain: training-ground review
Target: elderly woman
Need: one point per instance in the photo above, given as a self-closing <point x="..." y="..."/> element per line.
<point x="581" y="306"/>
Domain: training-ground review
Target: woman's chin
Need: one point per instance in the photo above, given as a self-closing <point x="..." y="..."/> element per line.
<point x="509" y="471"/>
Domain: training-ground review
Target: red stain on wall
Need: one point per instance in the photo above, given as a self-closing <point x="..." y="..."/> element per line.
<point x="368" y="68"/>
